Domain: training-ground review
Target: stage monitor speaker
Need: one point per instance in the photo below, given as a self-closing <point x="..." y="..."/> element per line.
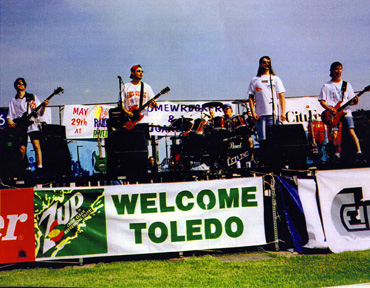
<point x="286" y="146"/>
<point x="56" y="157"/>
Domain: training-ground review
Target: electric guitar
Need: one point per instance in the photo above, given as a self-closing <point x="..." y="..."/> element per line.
<point x="25" y="121"/>
<point x="100" y="162"/>
<point x="331" y="119"/>
<point x="130" y="122"/>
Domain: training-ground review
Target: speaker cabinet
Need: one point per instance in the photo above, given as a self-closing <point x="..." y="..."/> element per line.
<point x="287" y="145"/>
<point x="56" y="158"/>
<point x="127" y="152"/>
<point x="11" y="164"/>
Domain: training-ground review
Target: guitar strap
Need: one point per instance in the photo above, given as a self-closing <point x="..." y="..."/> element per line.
<point x="141" y="94"/>
<point x="29" y="98"/>
<point x="344" y="88"/>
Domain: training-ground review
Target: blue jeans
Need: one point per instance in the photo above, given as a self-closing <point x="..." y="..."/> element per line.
<point x="347" y="122"/>
<point x="262" y="123"/>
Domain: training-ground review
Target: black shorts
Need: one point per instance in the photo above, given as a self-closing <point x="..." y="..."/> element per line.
<point x="34" y="135"/>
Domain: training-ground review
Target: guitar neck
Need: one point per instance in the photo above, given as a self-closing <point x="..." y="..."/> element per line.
<point x="99" y="146"/>
<point x="349" y="101"/>
<point x="163" y="91"/>
<point x="56" y="92"/>
<point x="147" y="103"/>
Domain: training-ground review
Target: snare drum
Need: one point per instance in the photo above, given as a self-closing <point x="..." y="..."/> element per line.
<point x="219" y="123"/>
<point x="199" y="126"/>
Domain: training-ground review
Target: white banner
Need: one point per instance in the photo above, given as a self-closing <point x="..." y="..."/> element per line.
<point x="307" y="193"/>
<point x="82" y="121"/>
<point x="345" y="206"/>
<point x="184" y="216"/>
<point x="85" y="121"/>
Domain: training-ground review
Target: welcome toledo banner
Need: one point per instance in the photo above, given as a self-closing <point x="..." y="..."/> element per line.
<point x="149" y="218"/>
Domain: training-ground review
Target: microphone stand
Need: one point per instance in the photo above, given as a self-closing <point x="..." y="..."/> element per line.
<point x="120" y="83"/>
<point x="273" y="99"/>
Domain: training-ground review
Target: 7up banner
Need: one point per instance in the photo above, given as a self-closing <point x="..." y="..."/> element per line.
<point x="69" y="223"/>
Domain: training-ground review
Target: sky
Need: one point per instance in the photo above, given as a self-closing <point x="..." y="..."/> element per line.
<point x="201" y="49"/>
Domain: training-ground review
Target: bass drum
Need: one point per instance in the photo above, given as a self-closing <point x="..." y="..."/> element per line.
<point x="235" y="149"/>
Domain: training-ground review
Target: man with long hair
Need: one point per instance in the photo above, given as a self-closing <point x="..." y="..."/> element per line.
<point x="266" y="99"/>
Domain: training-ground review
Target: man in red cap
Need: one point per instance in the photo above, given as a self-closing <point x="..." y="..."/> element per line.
<point x="132" y="92"/>
<point x="132" y="139"/>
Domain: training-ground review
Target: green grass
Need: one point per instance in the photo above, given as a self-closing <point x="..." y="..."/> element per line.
<point x="204" y="271"/>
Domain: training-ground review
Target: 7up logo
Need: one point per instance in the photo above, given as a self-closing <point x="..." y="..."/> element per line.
<point x="64" y="218"/>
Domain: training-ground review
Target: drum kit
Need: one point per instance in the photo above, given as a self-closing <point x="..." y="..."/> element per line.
<point x="219" y="142"/>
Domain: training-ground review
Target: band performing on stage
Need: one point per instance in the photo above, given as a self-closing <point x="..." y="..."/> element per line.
<point x="249" y="139"/>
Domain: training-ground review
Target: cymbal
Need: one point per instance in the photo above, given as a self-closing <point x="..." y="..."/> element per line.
<point x="212" y="104"/>
<point x="183" y="124"/>
<point x="195" y="107"/>
<point x="240" y="101"/>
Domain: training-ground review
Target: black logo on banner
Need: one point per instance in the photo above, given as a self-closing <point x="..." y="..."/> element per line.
<point x="353" y="210"/>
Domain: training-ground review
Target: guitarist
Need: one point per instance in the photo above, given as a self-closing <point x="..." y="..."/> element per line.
<point x="132" y="92"/>
<point x="22" y="104"/>
<point x="333" y="94"/>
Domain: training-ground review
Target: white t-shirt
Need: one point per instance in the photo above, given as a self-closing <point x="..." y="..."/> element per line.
<point x="331" y="92"/>
<point x="261" y="89"/>
<point x="18" y="106"/>
<point x="131" y="95"/>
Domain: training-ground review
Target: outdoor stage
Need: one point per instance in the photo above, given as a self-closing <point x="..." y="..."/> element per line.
<point x="292" y="200"/>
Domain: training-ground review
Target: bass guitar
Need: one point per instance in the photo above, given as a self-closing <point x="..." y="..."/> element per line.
<point x="130" y="122"/>
<point x="331" y="119"/>
<point x="25" y="121"/>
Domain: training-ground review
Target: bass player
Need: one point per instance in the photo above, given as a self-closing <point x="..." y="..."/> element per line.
<point x="22" y="103"/>
<point x="333" y="93"/>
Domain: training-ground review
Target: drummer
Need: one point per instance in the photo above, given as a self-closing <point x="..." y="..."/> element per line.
<point x="228" y="115"/>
